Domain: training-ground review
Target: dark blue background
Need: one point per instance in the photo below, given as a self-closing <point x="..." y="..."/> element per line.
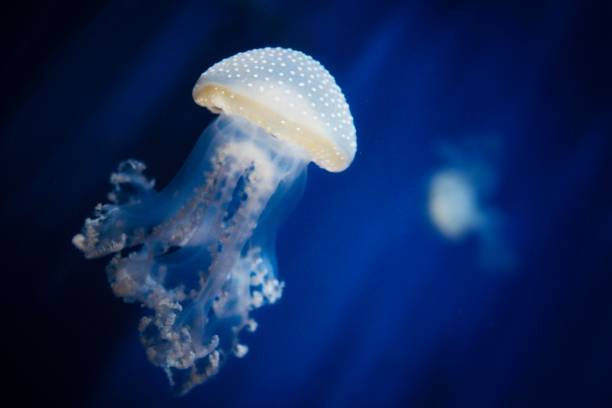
<point x="379" y="309"/>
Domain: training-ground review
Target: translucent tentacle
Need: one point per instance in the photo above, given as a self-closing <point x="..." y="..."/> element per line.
<point x="192" y="260"/>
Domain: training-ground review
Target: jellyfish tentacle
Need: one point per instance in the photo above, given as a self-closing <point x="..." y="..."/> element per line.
<point x="179" y="229"/>
<point x="172" y="345"/>
<point x="201" y="226"/>
<point x="260" y="182"/>
<point x="190" y="332"/>
<point x="106" y="232"/>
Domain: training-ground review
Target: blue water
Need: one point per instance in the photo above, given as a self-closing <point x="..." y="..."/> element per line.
<point x="380" y="308"/>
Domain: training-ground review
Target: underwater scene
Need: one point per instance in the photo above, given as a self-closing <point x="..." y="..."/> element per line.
<point x="307" y="204"/>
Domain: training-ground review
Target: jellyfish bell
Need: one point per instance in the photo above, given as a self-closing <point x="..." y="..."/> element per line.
<point x="199" y="254"/>
<point x="453" y="204"/>
<point x="289" y="94"/>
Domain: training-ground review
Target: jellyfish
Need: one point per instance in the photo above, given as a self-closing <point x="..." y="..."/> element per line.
<point x="458" y="201"/>
<point x="199" y="254"/>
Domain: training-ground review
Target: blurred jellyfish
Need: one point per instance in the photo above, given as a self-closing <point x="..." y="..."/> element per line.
<point x="200" y="253"/>
<point x="457" y="202"/>
<point x="452" y="204"/>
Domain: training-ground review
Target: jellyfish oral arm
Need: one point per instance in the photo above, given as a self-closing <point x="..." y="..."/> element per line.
<point x="189" y="253"/>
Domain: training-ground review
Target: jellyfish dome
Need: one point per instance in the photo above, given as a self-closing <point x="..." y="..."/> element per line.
<point x="199" y="254"/>
<point x="453" y="205"/>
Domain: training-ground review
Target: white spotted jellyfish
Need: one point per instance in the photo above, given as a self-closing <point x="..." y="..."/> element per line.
<point x="199" y="254"/>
